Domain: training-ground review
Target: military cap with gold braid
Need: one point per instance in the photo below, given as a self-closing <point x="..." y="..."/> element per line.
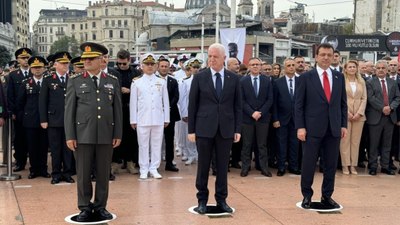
<point x="77" y="62"/>
<point x="148" y="58"/>
<point x="163" y="58"/>
<point x="37" y="61"/>
<point x="23" y="52"/>
<point x="61" y="57"/>
<point x="195" y="62"/>
<point x="92" y="50"/>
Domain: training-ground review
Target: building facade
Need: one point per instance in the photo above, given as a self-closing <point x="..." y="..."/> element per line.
<point x="373" y="16"/>
<point x="7" y="34"/>
<point x="16" y="13"/>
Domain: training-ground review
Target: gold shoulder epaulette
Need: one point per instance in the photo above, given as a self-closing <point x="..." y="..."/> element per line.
<point x="135" y="78"/>
<point x="187" y="77"/>
<point x="75" y="75"/>
<point x="47" y="75"/>
<point x="26" y="79"/>
<point x="112" y="76"/>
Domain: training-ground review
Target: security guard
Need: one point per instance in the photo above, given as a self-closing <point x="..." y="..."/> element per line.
<point x="93" y="127"/>
<point x="192" y="66"/>
<point x="28" y="104"/>
<point x="149" y="114"/>
<point x="15" y="80"/>
<point x="51" y="107"/>
<point x="173" y="94"/>
<point x="77" y="65"/>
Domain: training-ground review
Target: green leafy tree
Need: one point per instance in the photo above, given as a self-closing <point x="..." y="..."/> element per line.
<point x="5" y="56"/>
<point x="66" y="43"/>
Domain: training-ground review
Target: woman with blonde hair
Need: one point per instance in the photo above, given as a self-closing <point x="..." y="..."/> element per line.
<point x="356" y="102"/>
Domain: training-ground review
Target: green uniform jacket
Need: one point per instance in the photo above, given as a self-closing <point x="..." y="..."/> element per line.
<point x="93" y="116"/>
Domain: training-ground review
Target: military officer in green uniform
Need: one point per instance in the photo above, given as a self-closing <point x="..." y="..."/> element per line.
<point x="93" y="127"/>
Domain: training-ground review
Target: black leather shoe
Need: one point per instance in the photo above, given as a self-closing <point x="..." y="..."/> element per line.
<point x="112" y="177"/>
<point x="55" y="180"/>
<point x="69" y="180"/>
<point x="32" y="176"/>
<point x="361" y="165"/>
<point x="171" y="168"/>
<point x="214" y="173"/>
<point x="266" y="173"/>
<point x="372" y="172"/>
<point x="236" y="165"/>
<point x="306" y="203"/>
<point x="45" y="175"/>
<point x="387" y="171"/>
<point x="392" y="167"/>
<point x="327" y="201"/>
<point x="280" y="173"/>
<point x="296" y="172"/>
<point x="93" y="177"/>
<point x="224" y="207"/>
<point x="202" y="208"/>
<point x="84" y="216"/>
<point x="244" y="173"/>
<point x="18" y="168"/>
<point x="103" y="214"/>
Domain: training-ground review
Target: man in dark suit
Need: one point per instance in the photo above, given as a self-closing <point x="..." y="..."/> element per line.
<point x="14" y="82"/>
<point x="335" y="65"/>
<point x="257" y="97"/>
<point x="215" y="117"/>
<point x="321" y="120"/>
<point x="28" y="106"/>
<point x="394" y="152"/>
<point x="383" y="98"/>
<point x="93" y="127"/>
<point x="173" y="95"/>
<point x="283" y="119"/>
<point x="51" y="108"/>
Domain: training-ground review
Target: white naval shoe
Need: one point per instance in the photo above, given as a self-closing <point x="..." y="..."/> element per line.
<point x="143" y="176"/>
<point x="173" y="162"/>
<point x="184" y="158"/>
<point x="178" y="152"/>
<point x="155" y="174"/>
<point x="190" y="161"/>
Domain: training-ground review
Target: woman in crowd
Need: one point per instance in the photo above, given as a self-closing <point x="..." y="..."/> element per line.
<point x="276" y="70"/>
<point x="356" y="102"/>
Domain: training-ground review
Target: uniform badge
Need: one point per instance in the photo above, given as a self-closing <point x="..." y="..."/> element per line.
<point x="158" y="85"/>
<point x="54" y="86"/>
<point x="83" y="85"/>
<point x="109" y="86"/>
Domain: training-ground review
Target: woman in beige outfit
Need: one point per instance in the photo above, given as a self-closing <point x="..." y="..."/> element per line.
<point x="356" y="102"/>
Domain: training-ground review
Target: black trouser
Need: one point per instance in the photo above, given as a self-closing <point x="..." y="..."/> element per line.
<point x="38" y="149"/>
<point x="364" y="145"/>
<point x="394" y="151"/>
<point x="90" y="156"/>
<point x="329" y="154"/>
<point x="236" y="151"/>
<point x="205" y="147"/>
<point x="288" y="146"/>
<point x="260" y="132"/>
<point x="20" y="146"/>
<point x="61" y="156"/>
<point x="169" y="133"/>
<point x="128" y="150"/>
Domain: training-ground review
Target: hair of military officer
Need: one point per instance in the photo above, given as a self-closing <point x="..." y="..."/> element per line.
<point x="123" y="54"/>
<point x="219" y="47"/>
<point x="383" y="62"/>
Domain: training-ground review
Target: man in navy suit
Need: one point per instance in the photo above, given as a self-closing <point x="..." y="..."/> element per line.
<point x="214" y="120"/>
<point x="321" y="121"/>
<point x="283" y="119"/>
<point x="257" y="101"/>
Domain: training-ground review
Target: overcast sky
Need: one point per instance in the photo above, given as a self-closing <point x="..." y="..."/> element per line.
<point x="318" y="9"/>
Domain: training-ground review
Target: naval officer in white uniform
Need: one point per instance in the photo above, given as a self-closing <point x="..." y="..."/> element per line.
<point x="149" y="114"/>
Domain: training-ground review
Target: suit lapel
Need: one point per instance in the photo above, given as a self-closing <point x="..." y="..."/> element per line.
<point x="226" y="84"/>
<point x="335" y="85"/>
<point x="317" y="84"/>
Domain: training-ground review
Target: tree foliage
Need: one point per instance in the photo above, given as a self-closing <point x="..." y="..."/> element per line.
<point x="66" y="43"/>
<point x="5" y="56"/>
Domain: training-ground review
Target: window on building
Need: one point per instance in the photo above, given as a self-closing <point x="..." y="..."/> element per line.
<point x="106" y="23"/>
<point x="94" y="13"/>
<point x="125" y="11"/>
<point x="121" y="34"/>
<point x="73" y="26"/>
<point x="106" y="12"/>
<point x="51" y="39"/>
<point x="142" y="12"/>
<point x="86" y="36"/>
<point x="81" y="26"/>
<point x="111" y="52"/>
<point x="119" y="23"/>
<point x="94" y="24"/>
<point x="86" y="26"/>
<point x="73" y="36"/>
<point x="125" y="23"/>
<point x="110" y="34"/>
<point x="113" y="23"/>
<point x="94" y="36"/>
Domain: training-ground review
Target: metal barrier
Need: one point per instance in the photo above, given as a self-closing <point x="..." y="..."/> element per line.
<point x="8" y="152"/>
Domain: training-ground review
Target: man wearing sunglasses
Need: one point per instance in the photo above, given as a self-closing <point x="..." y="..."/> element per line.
<point x="15" y="80"/>
<point x="128" y="151"/>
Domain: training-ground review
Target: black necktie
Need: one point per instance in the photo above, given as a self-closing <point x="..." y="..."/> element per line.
<point x="38" y="83"/>
<point x="291" y="87"/>
<point x="95" y="81"/>
<point x="218" y="84"/>
<point x="255" y="86"/>
<point x="26" y="74"/>
<point x="63" y="81"/>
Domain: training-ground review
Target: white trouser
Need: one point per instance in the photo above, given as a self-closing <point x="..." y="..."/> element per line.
<point x="177" y="133"/>
<point x="182" y="135"/>
<point x="149" y="140"/>
<point x="189" y="149"/>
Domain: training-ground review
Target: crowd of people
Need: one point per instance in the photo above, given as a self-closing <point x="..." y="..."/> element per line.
<point x="152" y="112"/>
